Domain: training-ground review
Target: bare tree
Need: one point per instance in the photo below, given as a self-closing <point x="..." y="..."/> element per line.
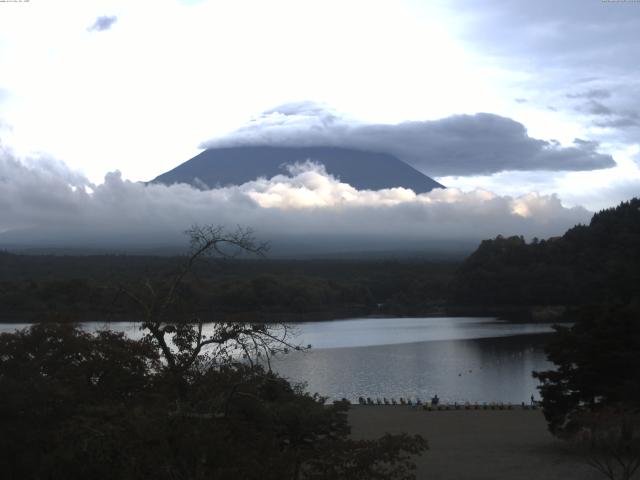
<point x="181" y="337"/>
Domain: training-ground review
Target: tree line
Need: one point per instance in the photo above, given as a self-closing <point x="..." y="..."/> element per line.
<point x="41" y="288"/>
<point x="595" y="263"/>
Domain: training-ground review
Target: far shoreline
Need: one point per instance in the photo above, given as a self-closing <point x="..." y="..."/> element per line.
<point x="510" y="314"/>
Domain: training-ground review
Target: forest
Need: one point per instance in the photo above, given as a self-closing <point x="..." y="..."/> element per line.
<point x="589" y="264"/>
<point x="74" y="288"/>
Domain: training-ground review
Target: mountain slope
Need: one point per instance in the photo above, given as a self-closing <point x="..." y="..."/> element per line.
<point x="599" y="262"/>
<point x="238" y="165"/>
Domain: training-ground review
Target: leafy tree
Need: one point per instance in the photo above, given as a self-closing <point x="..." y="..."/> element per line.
<point x="597" y="363"/>
<point x="593" y="395"/>
<point x="61" y="388"/>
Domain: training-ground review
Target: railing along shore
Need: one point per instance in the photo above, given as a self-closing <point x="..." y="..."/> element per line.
<point x="442" y="406"/>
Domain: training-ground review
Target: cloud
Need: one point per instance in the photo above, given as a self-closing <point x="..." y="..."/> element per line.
<point x="594" y="93"/>
<point x="618" y="191"/>
<point x="630" y="119"/>
<point x="458" y="145"/>
<point x="592" y="35"/>
<point x="560" y="46"/>
<point x="43" y="203"/>
<point x="596" y="108"/>
<point x="613" y="118"/>
<point x="103" y="23"/>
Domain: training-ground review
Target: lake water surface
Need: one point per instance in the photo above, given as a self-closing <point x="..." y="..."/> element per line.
<point x="459" y="359"/>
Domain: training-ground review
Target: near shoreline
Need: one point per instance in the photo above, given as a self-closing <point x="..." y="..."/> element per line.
<point x="476" y="444"/>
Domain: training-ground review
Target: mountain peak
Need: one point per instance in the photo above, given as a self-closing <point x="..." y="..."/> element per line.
<point x="220" y="167"/>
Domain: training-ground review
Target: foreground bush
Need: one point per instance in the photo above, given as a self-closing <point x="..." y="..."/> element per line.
<point x="77" y="406"/>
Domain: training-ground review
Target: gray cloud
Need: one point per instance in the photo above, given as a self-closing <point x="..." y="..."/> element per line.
<point x="559" y="34"/>
<point x="459" y="145"/>
<point x="612" y="118"/>
<point x="621" y="121"/>
<point x="596" y="108"/>
<point x="102" y="23"/>
<point x="573" y="49"/>
<point x="594" y="93"/>
<point x="616" y="115"/>
<point x="44" y="203"/>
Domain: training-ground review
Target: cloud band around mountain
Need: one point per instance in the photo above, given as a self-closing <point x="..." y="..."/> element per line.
<point x="459" y="145"/>
<point x="49" y="205"/>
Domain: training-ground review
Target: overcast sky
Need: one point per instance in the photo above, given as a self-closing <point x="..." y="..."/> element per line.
<point x="500" y="99"/>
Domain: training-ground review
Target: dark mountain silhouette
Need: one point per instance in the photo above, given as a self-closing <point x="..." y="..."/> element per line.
<point x="237" y="165"/>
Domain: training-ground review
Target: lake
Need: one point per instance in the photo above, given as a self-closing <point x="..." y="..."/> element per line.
<point x="459" y="359"/>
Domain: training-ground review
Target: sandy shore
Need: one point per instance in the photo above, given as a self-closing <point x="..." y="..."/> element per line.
<point x="476" y="444"/>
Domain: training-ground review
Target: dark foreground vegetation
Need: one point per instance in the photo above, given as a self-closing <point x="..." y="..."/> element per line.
<point x="76" y="406"/>
<point x="592" y="396"/>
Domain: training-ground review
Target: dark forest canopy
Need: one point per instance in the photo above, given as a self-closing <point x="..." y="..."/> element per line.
<point x="37" y="287"/>
<point x="594" y="263"/>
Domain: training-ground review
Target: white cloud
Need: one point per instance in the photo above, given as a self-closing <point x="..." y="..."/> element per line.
<point x="49" y="205"/>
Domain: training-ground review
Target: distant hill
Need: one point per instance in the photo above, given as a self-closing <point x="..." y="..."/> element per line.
<point x="219" y="167"/>
<point x="594" y="263"/>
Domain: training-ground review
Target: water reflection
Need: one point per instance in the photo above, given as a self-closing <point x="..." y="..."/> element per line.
<point x="385" y="331"/>
<point x="475" y="370"/>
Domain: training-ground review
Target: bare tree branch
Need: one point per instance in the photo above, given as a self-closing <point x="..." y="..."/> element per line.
<point x="183" y="342"/>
